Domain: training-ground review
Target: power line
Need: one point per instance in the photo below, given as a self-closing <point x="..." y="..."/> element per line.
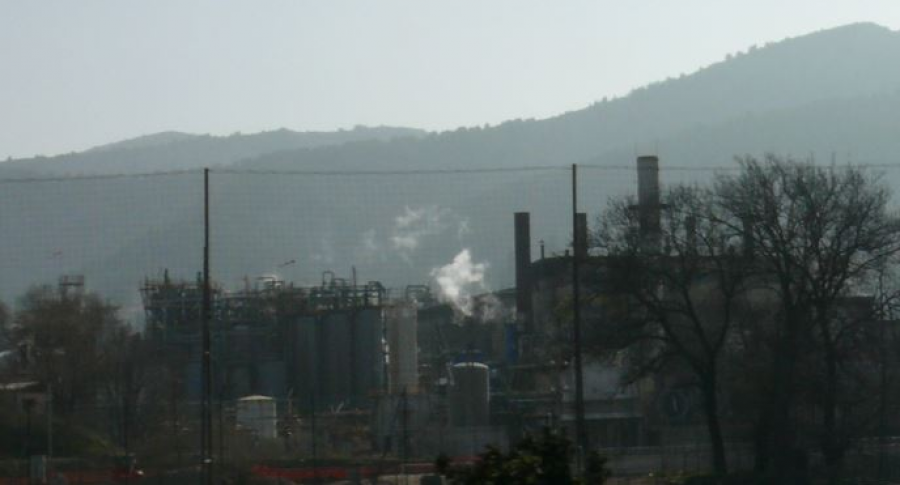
<point x="401" y="172"/>
<point x="111" y="176"/>
<point x="439" y="171"/>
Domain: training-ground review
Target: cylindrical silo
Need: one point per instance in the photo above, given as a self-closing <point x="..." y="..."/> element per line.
<point x="303" y="365"/>
<point x="368" y="357"/>
<point x="402" y="337"/>
<point x="470" y="395"/>
<point x="259" y="414"/>
<point x="336" y="343"/>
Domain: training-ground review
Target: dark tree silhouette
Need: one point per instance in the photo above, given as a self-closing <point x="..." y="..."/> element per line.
<point x="817" y="233"/>
<point x="64" y="339"/>
<point x="684" y="292"/>
<point x="543" y="460"/>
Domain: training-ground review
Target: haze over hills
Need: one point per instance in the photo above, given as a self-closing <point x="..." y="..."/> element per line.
<point x="831" y="92"/>
<point x="179" y="151"/>
<point x="144" y="141"/>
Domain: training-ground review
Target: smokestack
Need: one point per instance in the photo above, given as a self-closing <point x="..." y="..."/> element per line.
<point x="648" y="200"/>
<point x="523" y="270"/>
<point x="690" y="229"/>
<point x="580" y="248"/>
<point x="747" y="228"/>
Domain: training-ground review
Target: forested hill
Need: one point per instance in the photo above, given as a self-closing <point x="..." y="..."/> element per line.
<point x="851" y="66"/>
<point x="834" y="94"/>
<point x="178" y="151"/>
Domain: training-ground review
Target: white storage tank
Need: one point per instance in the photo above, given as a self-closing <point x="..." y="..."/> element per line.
<point x="258" y="413"/>
<point x="470" y="395"/>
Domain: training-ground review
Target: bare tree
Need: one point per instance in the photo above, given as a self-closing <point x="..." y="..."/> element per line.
<point x="129" y="372"/>
<point x="65" y="335"/>
<point x="685" y="291"/>
<point x="817" y="234"/>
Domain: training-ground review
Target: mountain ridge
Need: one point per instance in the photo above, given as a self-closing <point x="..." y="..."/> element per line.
<point x="816" y="93"/>
<point x="172" y="150"/>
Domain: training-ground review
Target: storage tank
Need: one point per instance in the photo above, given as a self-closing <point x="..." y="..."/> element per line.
<point x="193" y="380"/>
<point x="402" y="337"/>
<point x="470" y="395"/>
<point x="270" y="378"/>
<point x="335" y="346"/>
<point x="259" y="414"/>
<point x="303" y="367"/>
<point x="368" y="358"/>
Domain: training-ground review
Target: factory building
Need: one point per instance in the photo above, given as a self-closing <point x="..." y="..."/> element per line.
<point x="323" y="346"/>
<point x="543" y="382"/>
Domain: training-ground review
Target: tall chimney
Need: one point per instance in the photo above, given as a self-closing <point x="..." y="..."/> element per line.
<point x="648" y="200"/>
<point x="580" y="248"/>
<point x="747" y="229"/>
<point x="690" y="230"/>
<point x="523" y="270"/>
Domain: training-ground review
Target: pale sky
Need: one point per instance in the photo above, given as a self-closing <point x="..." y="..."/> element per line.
<point x="76" y="74"/>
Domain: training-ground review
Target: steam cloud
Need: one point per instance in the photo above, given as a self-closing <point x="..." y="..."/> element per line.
<point x="368" y="250"/>
<point x="413" y="225"/>
<point x="459" y="280"/>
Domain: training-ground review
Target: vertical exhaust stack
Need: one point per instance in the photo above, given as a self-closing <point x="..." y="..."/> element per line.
<point x="747" y="229"/>
<point x="523" y="270"/>
<point x="580" y="248"/>
<point x="690" y="230"/>
<point x="649" y="200"/>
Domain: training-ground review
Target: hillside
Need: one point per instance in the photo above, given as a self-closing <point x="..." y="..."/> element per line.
<point x="144" y="141"/>
<point x="181" y="151"/>
<point x="831" y="92"/>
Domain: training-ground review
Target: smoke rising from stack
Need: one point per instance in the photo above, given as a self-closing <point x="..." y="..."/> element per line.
<point x="415" y="225"/>
<point x="460" y="280"/>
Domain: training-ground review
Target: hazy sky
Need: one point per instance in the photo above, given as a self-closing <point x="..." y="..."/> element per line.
<point x="81" y="73"/>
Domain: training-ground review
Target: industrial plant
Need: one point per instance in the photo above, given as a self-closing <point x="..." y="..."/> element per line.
<point x="370" y="369"/>
<point x="615" y="344"/>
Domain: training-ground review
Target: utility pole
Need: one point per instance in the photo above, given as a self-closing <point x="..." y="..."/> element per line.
<point x="49" y="430"/>
<point x="221" y="454"/>
<point x="884" y="315"/>
<point x="312" y="432"/>
<point x="580" y="427"/>
<point x="404" y="433"/>
<point x="206" y="446"/>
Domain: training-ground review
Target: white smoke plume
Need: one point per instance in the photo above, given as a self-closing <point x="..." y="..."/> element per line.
<point x="460" y="280"/>
<point x="326" y="253"/>
<point x="489" y="308"/>
<point x="414" y="225"/>
<point x="368" y="250"/>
